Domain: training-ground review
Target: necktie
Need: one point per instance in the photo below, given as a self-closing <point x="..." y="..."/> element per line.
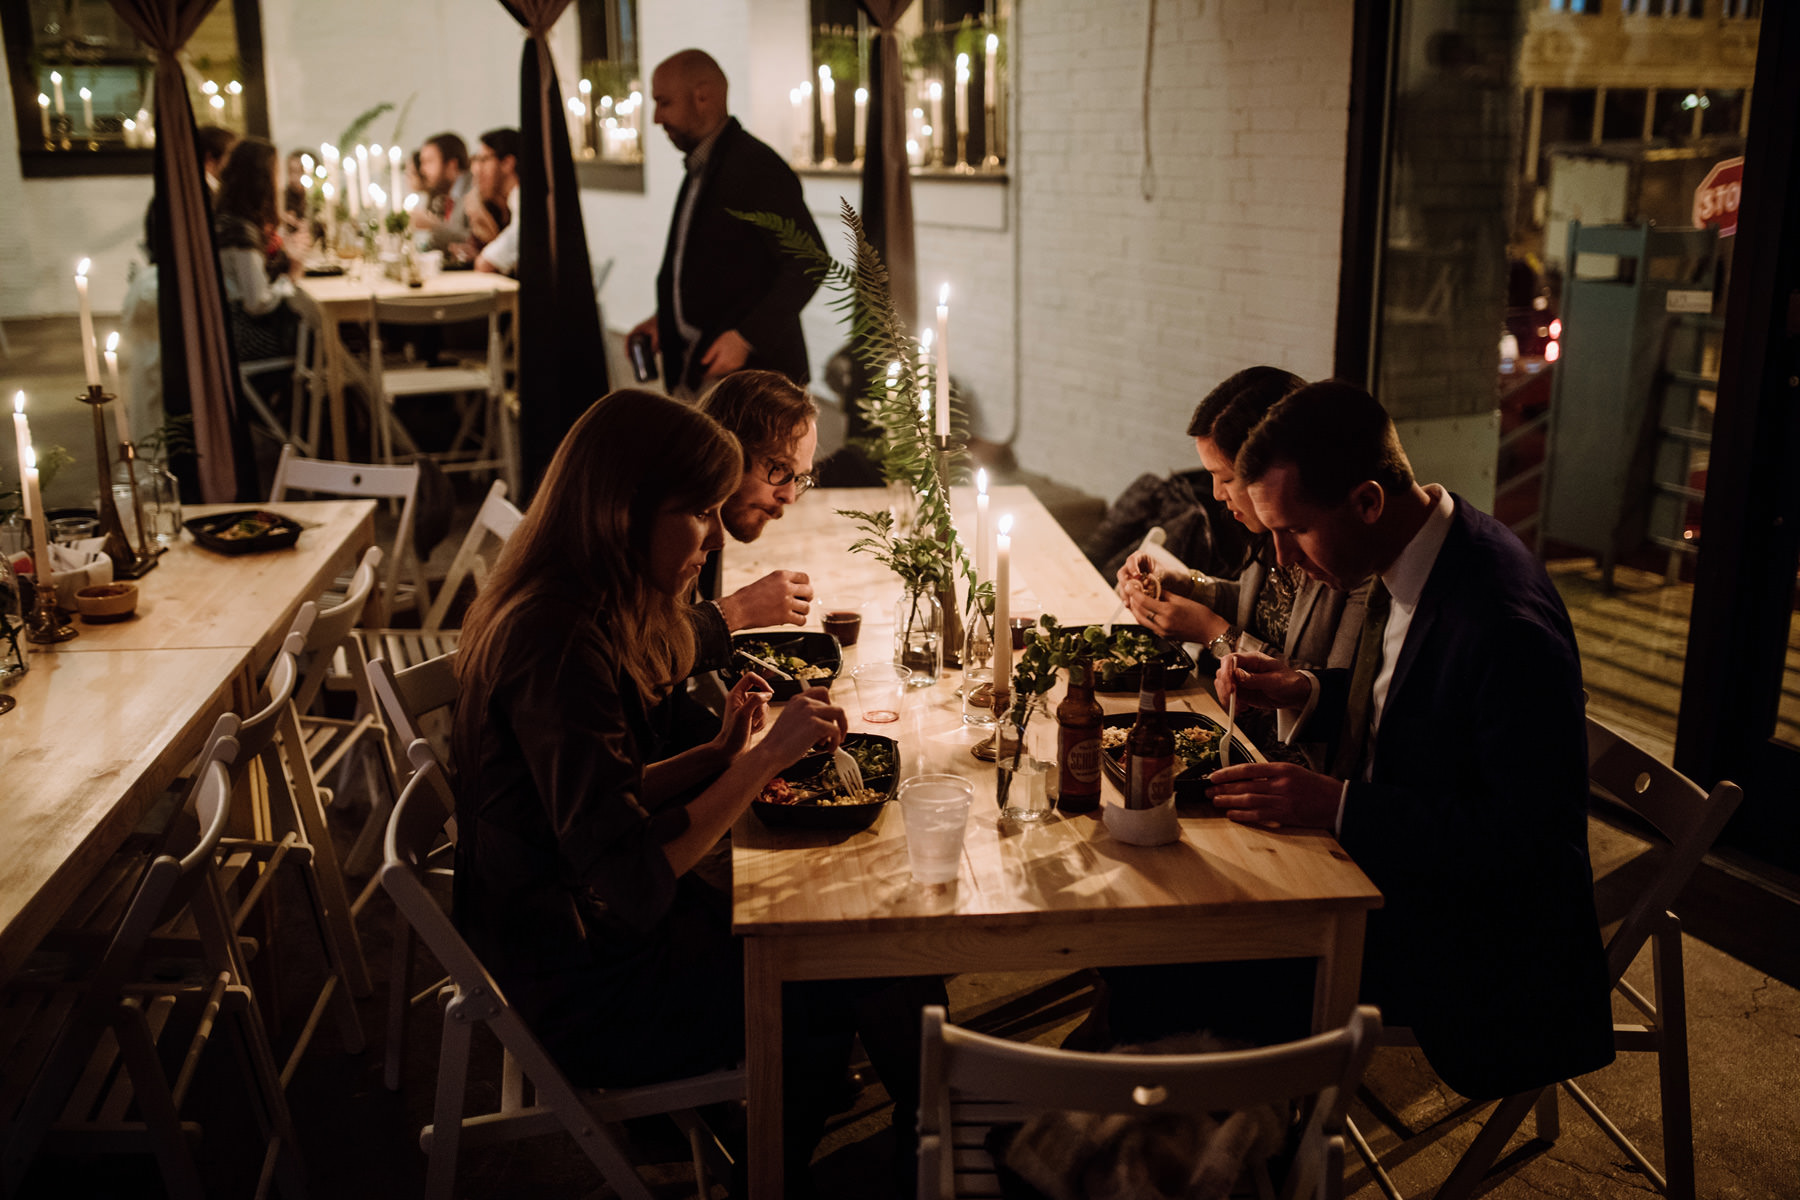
<point x="1353" y="741"/>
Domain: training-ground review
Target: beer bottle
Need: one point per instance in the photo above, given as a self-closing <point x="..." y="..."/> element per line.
<point x="1150" y="750"/>
<point x="1078" y="743"/>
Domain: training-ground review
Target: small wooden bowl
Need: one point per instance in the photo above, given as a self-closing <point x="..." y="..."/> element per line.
<point x="107" y="601"/>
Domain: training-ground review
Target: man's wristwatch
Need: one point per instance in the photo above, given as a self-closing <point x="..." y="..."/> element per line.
<point x="1222" y="645"/>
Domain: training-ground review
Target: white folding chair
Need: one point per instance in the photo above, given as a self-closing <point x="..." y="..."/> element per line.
<point x="84" y="1068"/>
<point x="495" y="519"/>
<point x="294" y="473"/>
<point x="411" y="700"/>
<point x="971" y="1082"/>
<point x="389" y="379"/>
<point x="473" y="997"/>
<point x="1686" y="819"/>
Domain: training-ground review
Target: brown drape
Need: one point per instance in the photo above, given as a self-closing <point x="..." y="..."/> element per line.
<point x="196" y="340"/>
<point x="562" y="357"/>
<point x="887" y="208"/>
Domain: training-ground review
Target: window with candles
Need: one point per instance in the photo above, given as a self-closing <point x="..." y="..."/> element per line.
<point x="954" y="54"/>
<point x="610" y="110"/>
<point x="82" y="83"/>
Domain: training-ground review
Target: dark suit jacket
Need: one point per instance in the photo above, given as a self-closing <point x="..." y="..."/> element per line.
<point x="734" y="275"/>
<point x="1474" y="827"/>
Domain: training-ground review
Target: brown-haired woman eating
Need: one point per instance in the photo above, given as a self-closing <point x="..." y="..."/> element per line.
<point x="575" y="857"/>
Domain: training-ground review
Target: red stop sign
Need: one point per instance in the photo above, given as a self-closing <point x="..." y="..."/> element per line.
<point x="1716" y="199"/>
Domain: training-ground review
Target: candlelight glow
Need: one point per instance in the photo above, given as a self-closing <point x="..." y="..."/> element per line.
<point x="234" y="87"/>
<point x="862" y="95"/>
<point x="379" y="196"/>
<point x="993" y="42"/>
<point x="375" y="150"/>
<point x="1005" y="526"/>
<point x="43" y="100"/>
<point x="981" y="481"/>
<point x="85" y="94"/>
<point x="81" y="268"/>
<point x="394" y="155"/>
<point x="412" y="201"/>
<point x="112" y="342"/>
<point x="585" y="86"/>
<point x="306" y="163"/>
<point x="209" y="88"/>
<point x="925" y="337"/>
<point x="824" y="72"/>
<point x="56" y="77"/>
<point x="217" y="102"/>
<point x="19" y="402"/>
<point x="30" y="458"/>
<point x="944" y="294"/>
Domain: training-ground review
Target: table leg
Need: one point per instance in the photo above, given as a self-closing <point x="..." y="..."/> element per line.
<point x="1339" y="974"/>
<point x="334" y="386"/>
<point x="762" y="1063"/>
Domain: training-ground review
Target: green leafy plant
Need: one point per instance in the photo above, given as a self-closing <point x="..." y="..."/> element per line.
<point x="906" y="446"/>
<point x="1052" y="648"/>
<point x="396" y="222"/>
<point x="917" y="559"/>
<point x="610" y="77"/>
<point x="354" y="131"/>
<point x="175" y="436"/>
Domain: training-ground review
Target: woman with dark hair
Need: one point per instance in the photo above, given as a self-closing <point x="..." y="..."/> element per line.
<point x="1268" y="607"/>
<point x="257" y="272"/>
<point x="575" y="859"/>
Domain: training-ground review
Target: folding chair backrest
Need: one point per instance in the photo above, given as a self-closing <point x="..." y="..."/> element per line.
<point x="973" y="1075"/>
<point x="419" y="819"/>
<point x="408" y="696"/>
<point x="1687" y="816"/>
<point x="256" y="732"/>
<point x="364" y="481"/>
<point x="332" y="628"/>
<point x="497" y="517"/>
<point x="436" y="310"/>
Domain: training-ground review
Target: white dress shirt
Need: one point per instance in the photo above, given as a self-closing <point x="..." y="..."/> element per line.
<point x="502" y="253"/>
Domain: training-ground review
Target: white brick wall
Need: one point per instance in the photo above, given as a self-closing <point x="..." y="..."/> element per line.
<point x="1129" y="310"/>
<point x="1135" y="308"/>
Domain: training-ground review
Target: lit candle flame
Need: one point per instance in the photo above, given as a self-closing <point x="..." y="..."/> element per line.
<point x="944" y="295"/>
<point x="981" y="481"/>
<point x="1005" y="526"/>
<point x="81" y="268"/>
<point x="112" y="342"/>
<point x="19" y="402"/>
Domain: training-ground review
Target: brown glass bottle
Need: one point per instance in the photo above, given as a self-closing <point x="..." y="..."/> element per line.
<point x="1150" y="750"/>
<point x="1078" y="744"/>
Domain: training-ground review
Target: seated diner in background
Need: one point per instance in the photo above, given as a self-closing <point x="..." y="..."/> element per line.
<point x="444" y="169"/>
<point x="575" y="877"/>
<point x="492" y="205"/>
<point x="1270" y="606"/>
<point x="257" y="269"/>
<point x="1460" y="778"/>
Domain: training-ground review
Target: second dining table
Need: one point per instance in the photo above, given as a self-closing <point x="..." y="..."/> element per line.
<point x="1063" y="894"/>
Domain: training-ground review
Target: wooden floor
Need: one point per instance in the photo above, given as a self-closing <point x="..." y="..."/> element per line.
<point x="1633" y="640"/>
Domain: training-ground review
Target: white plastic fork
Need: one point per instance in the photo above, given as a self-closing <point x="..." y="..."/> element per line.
<point x="849" y="773"/>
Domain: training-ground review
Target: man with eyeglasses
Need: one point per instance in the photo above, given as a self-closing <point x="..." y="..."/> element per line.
<point x="777" y="424"/>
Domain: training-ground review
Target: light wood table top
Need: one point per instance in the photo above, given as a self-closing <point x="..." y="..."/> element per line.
<point x="197" y="599"/>
<point x="1061" y="894"/>
<point x="338" y="291"/>
<point x="94" y="739"/>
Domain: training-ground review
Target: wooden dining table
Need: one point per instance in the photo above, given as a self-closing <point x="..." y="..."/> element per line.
<point x="329" y="302"/>
<point x="1063" y="894"/>
<point x="104" y="722"/>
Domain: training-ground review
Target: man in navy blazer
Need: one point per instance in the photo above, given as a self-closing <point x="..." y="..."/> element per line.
<point x="727" y="296"/>
<point x="1464" y="763"/>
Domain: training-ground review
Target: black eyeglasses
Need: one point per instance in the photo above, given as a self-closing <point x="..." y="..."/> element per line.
<point x="780" y="475"/>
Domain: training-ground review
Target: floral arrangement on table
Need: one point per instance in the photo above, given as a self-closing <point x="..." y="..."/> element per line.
<point x="928" y="555"/>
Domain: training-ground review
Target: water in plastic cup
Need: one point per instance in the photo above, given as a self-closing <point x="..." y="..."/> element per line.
<point x="936" y="810"/>
<point x="879" y="687"/>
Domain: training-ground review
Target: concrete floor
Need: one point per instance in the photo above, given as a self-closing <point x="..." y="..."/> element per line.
<point x="1741" y="949"/>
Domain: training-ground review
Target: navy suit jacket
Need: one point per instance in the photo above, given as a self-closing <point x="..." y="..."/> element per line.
<point x="1474" y="827"/>
<point x="734" y="275"/>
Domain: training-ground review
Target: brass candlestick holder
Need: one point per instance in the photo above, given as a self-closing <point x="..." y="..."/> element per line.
<point x="44" y="623"/>
<point x="128" y="562"/>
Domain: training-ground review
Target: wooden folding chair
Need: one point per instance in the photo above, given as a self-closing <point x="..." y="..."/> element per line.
<point x="1687" y="819"/>
<point x="410" y="700"/>
<point x="290" y="833"/>
<point x="495" y="519"/>
<point x="398" y="484"/>
<point x="84" y="1059"/>
<point x="971" y="1082"/>
<point x="473" y="998"/>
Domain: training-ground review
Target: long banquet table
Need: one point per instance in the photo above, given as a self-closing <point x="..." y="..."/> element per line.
<point x="1063" y="894"/>
<point x="106" y="721"/>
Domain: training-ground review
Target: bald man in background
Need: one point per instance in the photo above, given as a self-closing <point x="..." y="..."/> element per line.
<point x="727" y="297"/>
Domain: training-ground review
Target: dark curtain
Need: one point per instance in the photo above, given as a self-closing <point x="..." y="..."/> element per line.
<point x="199" y="369"/>
<point x="562" y="357"/>
<point x="887" y="209"/>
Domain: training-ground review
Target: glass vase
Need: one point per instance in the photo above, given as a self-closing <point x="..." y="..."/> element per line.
<point x="919" y="636"/>
<point x="13" y="663"/>
<point x="158" y="492"/>
<point x="978" y="665"/>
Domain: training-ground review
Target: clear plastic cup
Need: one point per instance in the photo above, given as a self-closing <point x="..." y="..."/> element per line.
<point x="879" y="688"/>
<point x="936" y="811"/>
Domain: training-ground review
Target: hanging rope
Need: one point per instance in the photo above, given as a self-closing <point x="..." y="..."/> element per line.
<point x="1147" y="177"/>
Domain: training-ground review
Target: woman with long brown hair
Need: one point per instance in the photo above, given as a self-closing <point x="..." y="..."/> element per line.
<point x="575" y="855"/>
<point x="257" y="272"/>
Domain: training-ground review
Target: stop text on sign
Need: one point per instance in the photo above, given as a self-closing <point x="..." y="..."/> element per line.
<point x="1716" y="199"/>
